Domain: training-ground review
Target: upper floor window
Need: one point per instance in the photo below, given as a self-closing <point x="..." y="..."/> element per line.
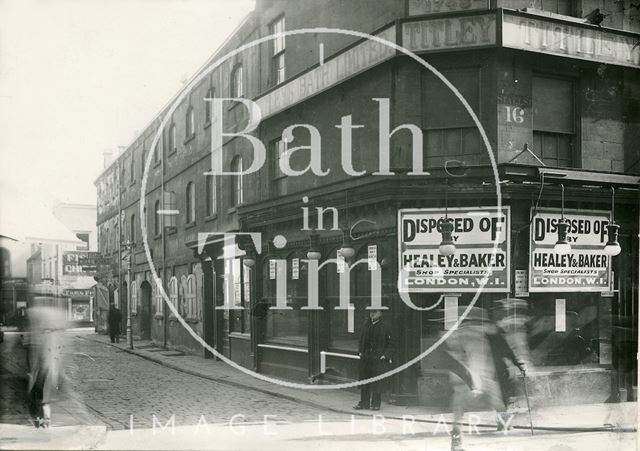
<point x="191" y="202"/>
<point x="277" y="149"/>
<point x="212" y="198"/>
<point x="157" y="220"/>
<point x="132" y="229"/>
<point x="449" y="130"/>
<point x="84" y="237"/>
<point x="207" y="106"/>
<point x="191" y="123"/>
<point x="237" y="89"/>
<point x="142" y="161"/>
<point x="173" y="144"/>
<point x="5" y="263"/>
<point x="553" y="121"/>
<point x="132" y="175"/>
<point x="134" y="297"/>
<point x="277" y="51"/>
<point x="237" y="188"/>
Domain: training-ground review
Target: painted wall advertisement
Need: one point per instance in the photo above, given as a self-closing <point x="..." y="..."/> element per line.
<point x="476" y="262"/>
<point x="80" y="263"/>
<point x="584" y="268"/>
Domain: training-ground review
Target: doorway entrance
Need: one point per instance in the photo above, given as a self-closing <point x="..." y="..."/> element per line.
<point x="145" y="314"/>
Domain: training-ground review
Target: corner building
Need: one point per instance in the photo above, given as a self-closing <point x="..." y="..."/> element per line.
<point x="559" y="102"/>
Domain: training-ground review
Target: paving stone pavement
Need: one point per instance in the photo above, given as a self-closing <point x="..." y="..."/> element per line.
<point x="123" y="391"/>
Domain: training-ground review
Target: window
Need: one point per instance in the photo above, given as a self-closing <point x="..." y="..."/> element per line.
<point x="236" y="87"/>
<point x="212" y="201"/>
<point x="449" y="130"/>
<point x="157" y="221"/>
<point x="157" y="296"/>
<point x="191" y="123"/>
<point x="173" y="145"/>
<point x="84" y="237"/>
<point x="239" y="320"/>
<point x="278" y="178"/>
<point x="132" y="229"/>
<point x="132" y="172"/>
<point x="277" y="51"/>
<point x="191" y="202"/>
<point x="173" y="293"/>
<point x="558" y="6"/>
<point x="553" y="121"/>
<point x="5" y="263"/>
<point x="207" y="106"/>
<point x="236" y="181"/>
<point x="190" y="296"/>
<point x="170" y="204"/>
<point x="142" y="161"/>
<point x="157" y="151"/>
<point x="134" y="297"/>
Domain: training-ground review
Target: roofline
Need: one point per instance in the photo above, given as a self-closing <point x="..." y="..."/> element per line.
<point x="157" y="116"/>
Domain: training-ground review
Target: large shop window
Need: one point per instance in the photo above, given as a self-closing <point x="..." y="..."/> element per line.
<point x="289" y="327"/>
<point x="345" y="326"/>
<point x="239" y="320"/>
<point x="554" y="121"/>
<point x="449" y="130"/>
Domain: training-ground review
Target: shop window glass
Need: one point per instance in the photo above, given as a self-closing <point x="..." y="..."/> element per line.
<point x="288" y="326"/>
<point x="239" y="320"/>
<point x="553" y="121"/>
<point x="448" y="128"/>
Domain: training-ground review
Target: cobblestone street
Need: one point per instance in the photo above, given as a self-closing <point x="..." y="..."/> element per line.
<point x="121" y="389"/>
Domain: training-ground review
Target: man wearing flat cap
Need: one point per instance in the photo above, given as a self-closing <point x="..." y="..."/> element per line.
<point x="375" y="351"/>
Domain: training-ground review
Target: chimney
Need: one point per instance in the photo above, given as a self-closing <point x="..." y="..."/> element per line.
<point x="107" y="158"/>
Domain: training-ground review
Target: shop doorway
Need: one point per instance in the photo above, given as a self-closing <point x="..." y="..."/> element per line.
<point x="145" y="314"/>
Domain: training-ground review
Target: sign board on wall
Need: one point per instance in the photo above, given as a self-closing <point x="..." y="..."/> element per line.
<point x="473" y="30"/>
<point x="584" y="268"/>
<point x="475" y="262"/>
<point x="570" y="40"/>
<point x="80" y="263"/>
<point x="419" y="7"/>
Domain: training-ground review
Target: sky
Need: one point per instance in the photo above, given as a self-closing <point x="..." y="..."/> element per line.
<point x="78" y="77"/>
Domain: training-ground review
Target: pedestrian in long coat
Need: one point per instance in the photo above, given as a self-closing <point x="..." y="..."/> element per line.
<point x="45" y="355"/>
<point x="477" y="351"/>
<point x="114" y="318"/>
<point x="375" y="351"/>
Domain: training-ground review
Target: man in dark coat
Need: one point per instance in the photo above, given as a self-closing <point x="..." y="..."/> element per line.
<point x="375" y="352"/>
<point x="114" y="318"/>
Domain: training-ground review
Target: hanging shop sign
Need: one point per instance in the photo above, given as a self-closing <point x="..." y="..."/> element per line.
<point x="475" y="263"/>
<point x="584" y="268"/>
<point x="76" y="292"/>
<point x="80" y="263"/>
<point x="419" y="7"/>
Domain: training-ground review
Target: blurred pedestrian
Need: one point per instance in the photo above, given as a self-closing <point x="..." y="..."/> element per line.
<point x="478" y="350"/>
<point x="375" y="351"/>
<point x="45" y="354"/>
<point x="114" y="319"/>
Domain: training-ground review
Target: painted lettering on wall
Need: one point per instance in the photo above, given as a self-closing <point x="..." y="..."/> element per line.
<point x="453" y="32"/>
<point x="569" y="40"/>
<point x="418" y="7"/>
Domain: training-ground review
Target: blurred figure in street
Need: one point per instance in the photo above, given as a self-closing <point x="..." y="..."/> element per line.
<point x="114" y="319"/>
<point x="375" y="351"/>
<point x="478" y="351"/>
<point x="45" y="355"/>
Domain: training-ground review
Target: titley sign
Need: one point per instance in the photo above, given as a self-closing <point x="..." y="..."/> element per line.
<point x="475" y="263"/>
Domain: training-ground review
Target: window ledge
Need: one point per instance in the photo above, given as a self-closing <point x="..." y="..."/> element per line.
<point x="133" y="182"/>
<point x="189" y="138"/>
<point x="241" y="335"/>
<point x="206" y="125"/>
<point x="190" y="225"/>
<point x="157" y="235"/>
<point x="172" y="230"/>
<point x="192" y="320"/>
<point x="156" y="163"/>
<point x="172" y="153"/>
<point x="173" y="318"/>
<point x="158" y="316"/>
<point x="211" y="217"/>
<point x="232" y="210"/>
